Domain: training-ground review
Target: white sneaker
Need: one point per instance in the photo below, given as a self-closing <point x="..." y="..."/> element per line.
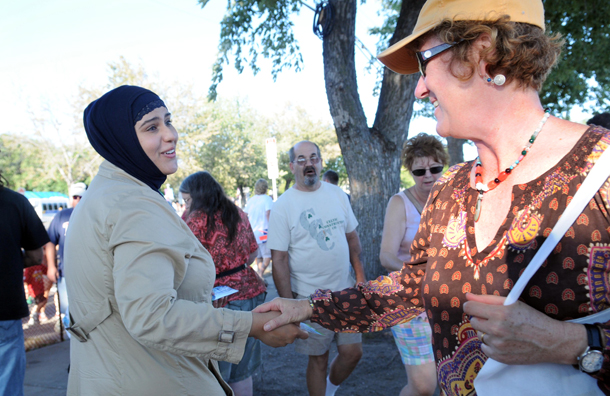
<point x="34" y="320"/>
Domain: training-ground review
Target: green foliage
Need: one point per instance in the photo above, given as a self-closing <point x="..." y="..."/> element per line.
<point x="406" y="180"/>
<point x="582" y="76"/>
<point x="224" y="140"/>
<point x="256" y="27"/>
<point x="32" y="163"/>
<point x="227" y="138"/>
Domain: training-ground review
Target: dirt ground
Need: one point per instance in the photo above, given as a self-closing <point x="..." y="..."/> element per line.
<point x="380" y="371"/>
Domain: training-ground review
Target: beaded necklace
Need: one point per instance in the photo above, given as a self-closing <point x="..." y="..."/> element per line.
<point x="478" y="177"/>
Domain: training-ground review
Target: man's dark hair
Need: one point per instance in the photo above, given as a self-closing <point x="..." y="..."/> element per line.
<point x="331" y="176"/>
<point x="602" y="119"/>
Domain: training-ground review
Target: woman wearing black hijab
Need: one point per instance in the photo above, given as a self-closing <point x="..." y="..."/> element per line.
<point x="140" y="283"/>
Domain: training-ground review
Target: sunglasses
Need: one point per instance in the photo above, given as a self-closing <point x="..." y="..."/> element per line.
<point x="303" y="161"/>
<point x="434" y="170"/>
<point x="423" y="57"/>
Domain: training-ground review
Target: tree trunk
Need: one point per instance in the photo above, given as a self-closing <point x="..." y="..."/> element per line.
<point x="371" y="155"/>
<point x="455" y="147"/>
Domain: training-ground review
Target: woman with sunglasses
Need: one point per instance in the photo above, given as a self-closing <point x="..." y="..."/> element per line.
<point x="424" y="157"/>
<point x="482" y="64"/>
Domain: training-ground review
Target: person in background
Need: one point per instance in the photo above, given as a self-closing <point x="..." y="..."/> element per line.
<point x="139" y="281"/>
<point x="224" y="230"/>
<point x="332" y="177"/>
<point x="482" y="65"/>
<point x="54" y="250"/>
<point x="314" y="243"/>
<point x="424" y="157"/>
<point x="601" y="119"/>
<point x="258" y="209"/>
<point x="22" y="236"/>
<point x="36" y="288"/>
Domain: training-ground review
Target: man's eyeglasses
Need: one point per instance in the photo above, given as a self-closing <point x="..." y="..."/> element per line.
<point x="303" y="161"/>
<point x="433" y="169"/>
<point x="76" y="197"/>
<point x="423" y="57"/>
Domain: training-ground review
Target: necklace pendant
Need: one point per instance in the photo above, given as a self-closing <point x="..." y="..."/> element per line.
<point x="477" y="211"/>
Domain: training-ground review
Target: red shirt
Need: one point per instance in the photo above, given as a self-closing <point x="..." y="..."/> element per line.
<point x="227" y="255"/>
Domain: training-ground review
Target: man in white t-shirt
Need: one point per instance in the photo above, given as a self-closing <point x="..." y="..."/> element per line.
<point x="258" y="208"/>
<point x="313" y="242"/>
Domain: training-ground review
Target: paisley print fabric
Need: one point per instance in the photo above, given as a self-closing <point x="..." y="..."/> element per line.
<point x="574" y="282"/>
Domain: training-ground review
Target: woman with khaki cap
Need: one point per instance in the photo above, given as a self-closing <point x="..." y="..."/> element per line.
<point x="482" y="64"/>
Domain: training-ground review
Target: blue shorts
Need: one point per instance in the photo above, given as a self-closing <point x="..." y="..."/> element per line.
<point x="252" y="354"/>
<point x="12" y="358"/>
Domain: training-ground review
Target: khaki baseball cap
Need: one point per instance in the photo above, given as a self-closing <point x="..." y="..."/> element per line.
<point x="402" y="60"/>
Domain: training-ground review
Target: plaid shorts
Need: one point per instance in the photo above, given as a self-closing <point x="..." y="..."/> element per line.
<point x="414" y="341"/>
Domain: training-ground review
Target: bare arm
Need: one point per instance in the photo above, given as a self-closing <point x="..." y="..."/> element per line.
<point x="394" y="226"/>
<point x="51" y="255"/>
<point x="281" y="273"/>
<point x="32" y="257"/>
<point x="353" y="241"/>
<point x="267" y="214"/>
<point x="252" y="257"/>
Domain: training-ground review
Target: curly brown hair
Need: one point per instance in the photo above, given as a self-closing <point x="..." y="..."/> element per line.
<point x="423" y="145"/>
<point x="520" y="51"/>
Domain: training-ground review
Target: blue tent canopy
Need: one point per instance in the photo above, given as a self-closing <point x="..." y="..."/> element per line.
<point x="43" y="194"/>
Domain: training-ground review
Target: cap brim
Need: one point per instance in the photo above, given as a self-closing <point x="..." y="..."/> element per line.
<point x="399" y="57"/>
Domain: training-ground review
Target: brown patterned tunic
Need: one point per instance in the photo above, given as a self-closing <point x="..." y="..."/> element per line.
<point x="446" y="265"/>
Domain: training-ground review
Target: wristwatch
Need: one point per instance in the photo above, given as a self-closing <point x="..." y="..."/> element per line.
<point x="592" y="358"/>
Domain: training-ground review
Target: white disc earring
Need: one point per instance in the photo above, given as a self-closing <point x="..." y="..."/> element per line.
<point x="500" y="79"/>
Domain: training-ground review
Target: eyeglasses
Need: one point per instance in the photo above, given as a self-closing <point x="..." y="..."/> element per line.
<point x="76" y="197"/>
<point x="423" y="57"/>
<point x="433" y="169"/>
<point x="303" y="161"/>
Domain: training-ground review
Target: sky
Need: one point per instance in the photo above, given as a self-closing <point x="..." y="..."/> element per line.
<point x="50" y="48"/>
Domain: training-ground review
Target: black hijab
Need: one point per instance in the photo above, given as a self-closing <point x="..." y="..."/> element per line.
<point x="110" y="125"/>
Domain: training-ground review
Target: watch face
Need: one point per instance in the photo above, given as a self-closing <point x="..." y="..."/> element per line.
<point x="592" y="361"/>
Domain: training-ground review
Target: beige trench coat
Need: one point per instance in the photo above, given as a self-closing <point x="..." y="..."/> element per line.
<point x="140" y="284"/>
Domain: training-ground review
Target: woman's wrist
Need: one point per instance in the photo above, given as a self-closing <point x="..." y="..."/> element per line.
<point x="575" y="344"/>
<point x="259" y="320"/>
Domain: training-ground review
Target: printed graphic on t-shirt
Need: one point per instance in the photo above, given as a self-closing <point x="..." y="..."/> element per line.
<point x="318" y="230"/>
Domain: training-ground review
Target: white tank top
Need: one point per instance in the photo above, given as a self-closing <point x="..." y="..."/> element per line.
<point x="412" y="223"/>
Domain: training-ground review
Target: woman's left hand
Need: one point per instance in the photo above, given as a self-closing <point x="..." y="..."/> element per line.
<point x="221" y="302"/>
<point x="519" y="334"/>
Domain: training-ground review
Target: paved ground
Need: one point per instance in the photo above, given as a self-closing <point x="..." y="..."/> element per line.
<point x="380" y="372"/>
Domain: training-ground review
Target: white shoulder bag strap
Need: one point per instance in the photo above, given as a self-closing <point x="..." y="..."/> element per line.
<point x="500" y="379"/>
<point x="593" y="182"/>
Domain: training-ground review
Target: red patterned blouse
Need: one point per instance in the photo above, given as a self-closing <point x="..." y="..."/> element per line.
<point x="229" y="255"/>
<point x="573" y="283"/>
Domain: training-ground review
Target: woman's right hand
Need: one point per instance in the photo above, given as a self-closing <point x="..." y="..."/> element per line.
<point x="293" y="311"/>
<point x="280" y="336"/>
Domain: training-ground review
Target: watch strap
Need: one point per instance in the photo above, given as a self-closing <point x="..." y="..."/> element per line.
<point x="593" y="337"/>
